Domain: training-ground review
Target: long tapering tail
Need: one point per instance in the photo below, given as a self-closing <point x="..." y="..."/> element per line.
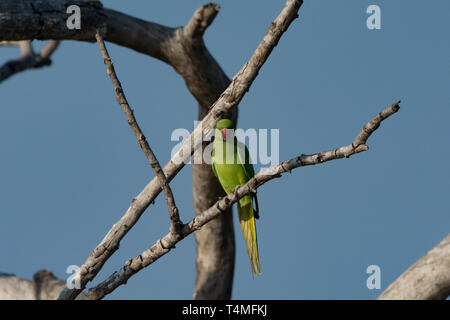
<point x="247" y="222"/>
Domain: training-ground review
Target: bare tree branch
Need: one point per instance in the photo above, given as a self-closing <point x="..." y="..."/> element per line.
<point x="176" y="224"/>
<point x="229" y="99"/>
<point x="46" y="20"/>
<point x="166" y="243"/>
<point x="29" y="59"/>
<point x="427" y="279"/>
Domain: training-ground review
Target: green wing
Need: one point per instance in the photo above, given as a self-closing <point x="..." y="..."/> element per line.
<point x="237" y="173"/>
<point x="244" y="159"/>
<point x="231" y="175"/>
<point x="248" y="168"/>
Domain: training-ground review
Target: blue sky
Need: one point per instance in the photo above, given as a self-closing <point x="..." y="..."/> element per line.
<point x="70" y="165"/>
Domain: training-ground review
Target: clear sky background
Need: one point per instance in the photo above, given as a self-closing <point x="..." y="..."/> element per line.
<point x="70" y="165"/>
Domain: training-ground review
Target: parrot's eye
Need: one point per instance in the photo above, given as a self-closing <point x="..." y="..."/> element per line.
<point x="224" y="133"/>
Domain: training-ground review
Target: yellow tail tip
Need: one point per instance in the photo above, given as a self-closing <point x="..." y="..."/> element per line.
<point x="248" y="226"/>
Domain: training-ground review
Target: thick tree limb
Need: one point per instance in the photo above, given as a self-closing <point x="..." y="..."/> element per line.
<point x="182" y="48"/>
<point x="427" y="279"/>
<point x="229" y="99"/>
<point x="46" y="20"/>
<point x="176" y="224"/>
<point x="29" y="59"/>
<point x="166" y="243"/>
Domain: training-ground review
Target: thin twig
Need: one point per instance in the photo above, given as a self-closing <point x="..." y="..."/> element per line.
<point x="176" y="224"/>
<point x="164" y="244"/>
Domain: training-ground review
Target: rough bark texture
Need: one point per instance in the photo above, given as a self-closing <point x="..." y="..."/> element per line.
<point x="427" y="279"/>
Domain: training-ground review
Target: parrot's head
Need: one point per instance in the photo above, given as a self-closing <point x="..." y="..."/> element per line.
<point x="222" y="127"/>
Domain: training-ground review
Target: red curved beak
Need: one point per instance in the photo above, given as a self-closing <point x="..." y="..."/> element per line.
<point x="224" y="133"/>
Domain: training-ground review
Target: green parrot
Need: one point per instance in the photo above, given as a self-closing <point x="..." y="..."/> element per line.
<point x="232" y="166"/>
